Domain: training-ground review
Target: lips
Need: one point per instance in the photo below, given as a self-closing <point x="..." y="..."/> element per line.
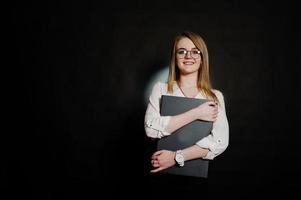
<point x="188" y="63"/>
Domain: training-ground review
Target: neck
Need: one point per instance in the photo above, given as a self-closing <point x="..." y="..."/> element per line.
<point x="188" y="80"/>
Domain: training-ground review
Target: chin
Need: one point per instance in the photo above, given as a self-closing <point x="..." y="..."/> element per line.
<point x="189" y="69"/>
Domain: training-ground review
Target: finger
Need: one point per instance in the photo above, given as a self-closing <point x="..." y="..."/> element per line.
<point x="213" y="112"/>
<point x="155" y="165"/>
<point x="213" y="118"/>
<point x="155" y="157"/>
<point x="154" y="162"/>
<point x="211" y="103"/>
<point x="157" y="153"/>
<point x="156" y="170"/>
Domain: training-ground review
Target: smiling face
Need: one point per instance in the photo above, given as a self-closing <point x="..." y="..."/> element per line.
<point x="188" y="57"/>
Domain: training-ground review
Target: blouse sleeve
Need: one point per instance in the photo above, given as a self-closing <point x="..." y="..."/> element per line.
<point x="155" y="124"/>
<point x="218" y="140"/>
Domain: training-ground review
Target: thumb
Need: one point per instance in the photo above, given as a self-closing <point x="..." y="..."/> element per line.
<point x="156" y="170"/>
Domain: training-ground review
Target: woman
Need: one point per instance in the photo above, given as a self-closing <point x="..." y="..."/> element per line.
<point x="188" y="77"/>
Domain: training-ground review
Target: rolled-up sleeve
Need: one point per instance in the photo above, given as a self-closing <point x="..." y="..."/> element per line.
<point x="155" y="124"/>
<point x="218" y="140"/>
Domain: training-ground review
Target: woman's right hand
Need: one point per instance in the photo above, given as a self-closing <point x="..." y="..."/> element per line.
<point x="207" y="111"/>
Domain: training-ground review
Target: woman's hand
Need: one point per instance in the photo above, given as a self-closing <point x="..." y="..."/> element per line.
<point x="207" y="111"/>
<point x="162" y="159"/>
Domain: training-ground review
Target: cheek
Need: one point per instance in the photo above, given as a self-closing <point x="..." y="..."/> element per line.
<point x="178" y="60"/>
<point x="199" y="63"/>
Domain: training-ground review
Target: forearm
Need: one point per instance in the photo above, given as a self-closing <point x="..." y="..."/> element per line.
<point x="180" y="120"/>
<point x="194" y="152"/>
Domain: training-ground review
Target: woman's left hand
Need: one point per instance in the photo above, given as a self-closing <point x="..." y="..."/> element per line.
<point x="162" y="159"/>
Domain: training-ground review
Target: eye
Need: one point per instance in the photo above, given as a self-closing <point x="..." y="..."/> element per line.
<point x="182" y="52"/>
<point x="195" y="52"/>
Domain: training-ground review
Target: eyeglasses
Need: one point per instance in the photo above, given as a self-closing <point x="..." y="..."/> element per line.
<point x="195" y="53"/>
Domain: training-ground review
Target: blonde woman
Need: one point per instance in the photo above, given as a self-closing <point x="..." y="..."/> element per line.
<point x="188" y="77"/>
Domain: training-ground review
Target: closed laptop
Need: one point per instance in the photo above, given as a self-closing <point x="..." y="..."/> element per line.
<point x="186" y="136"/>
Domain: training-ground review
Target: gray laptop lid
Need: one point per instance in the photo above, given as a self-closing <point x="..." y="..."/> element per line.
<point x="186" y="136"/>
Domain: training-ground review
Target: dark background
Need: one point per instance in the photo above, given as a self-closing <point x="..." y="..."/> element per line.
<point x="80" y="70"/>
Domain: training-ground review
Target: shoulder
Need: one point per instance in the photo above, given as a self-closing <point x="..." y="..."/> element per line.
<point x="218" y="94"/>
<point x="159" y="85"/>
<point x="159" y="88"/>
<point x="216" y="91"/>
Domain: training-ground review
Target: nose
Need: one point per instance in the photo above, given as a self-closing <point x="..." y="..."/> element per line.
<point x="186" y="54"/>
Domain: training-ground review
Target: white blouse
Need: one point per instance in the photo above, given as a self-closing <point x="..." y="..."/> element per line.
<point x="155" y="124"/>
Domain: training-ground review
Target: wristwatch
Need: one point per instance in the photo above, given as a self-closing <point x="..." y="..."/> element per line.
<point x="179" y="158"/>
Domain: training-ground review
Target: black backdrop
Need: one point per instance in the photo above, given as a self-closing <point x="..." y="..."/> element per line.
<point x="82" y="71"/>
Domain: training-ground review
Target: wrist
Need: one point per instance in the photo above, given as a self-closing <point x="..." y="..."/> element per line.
<point x="194" y="114"/>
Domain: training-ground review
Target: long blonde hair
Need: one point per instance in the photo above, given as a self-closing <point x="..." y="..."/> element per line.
<point x="203" y="82"/>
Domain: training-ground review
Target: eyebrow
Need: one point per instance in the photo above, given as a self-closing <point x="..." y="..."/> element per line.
<point x="186" y="49"/>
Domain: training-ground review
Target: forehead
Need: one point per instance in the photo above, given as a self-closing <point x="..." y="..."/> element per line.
<point x="185" y="43"/>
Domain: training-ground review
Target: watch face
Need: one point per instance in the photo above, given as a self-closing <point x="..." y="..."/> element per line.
<point x="179" y="158"/>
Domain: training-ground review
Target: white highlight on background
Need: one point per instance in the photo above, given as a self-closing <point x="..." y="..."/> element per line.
<point x="158" y="76"/>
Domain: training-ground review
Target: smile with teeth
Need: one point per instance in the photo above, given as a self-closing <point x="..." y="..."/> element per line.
<point x="188" y="63"/>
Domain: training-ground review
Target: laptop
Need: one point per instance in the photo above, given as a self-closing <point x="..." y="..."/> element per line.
<point x="186" y="136"/>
